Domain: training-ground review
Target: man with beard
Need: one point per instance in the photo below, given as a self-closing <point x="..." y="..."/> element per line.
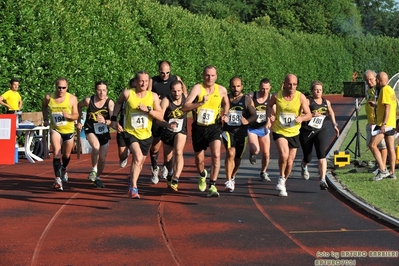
<point x="161" y="86"/>
<point x="235" y="134"/>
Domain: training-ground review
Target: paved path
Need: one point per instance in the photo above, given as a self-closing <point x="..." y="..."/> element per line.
<point x="252" y="226"/>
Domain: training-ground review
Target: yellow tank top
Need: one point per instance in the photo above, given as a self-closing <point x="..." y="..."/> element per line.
<point x="58" y="121"/>
<point x="208" y="113"/>
<point x="138" y="123"/>
<point x="286" y="112"/>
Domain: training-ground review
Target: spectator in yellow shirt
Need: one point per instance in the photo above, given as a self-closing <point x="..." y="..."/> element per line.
<point x="12" y="98"/>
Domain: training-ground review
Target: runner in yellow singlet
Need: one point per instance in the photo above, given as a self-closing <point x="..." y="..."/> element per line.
<point x="291" y="110"/>
<point x="206" y="101"/>
<point x="63" y="110"/>
<point x="141" y="107"/>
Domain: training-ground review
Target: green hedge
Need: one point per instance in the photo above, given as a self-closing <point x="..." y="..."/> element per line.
<point x="87" y="41"/>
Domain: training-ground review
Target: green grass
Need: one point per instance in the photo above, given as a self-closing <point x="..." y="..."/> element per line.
<point x="384" y="194"/>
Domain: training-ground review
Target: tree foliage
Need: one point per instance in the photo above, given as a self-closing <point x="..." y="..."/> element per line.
<point x="87" y="41"/>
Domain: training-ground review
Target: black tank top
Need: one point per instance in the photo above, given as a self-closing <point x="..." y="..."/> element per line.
<point x="93" y="111"/>
<point x="162" y="87"/>
<point x="260" y="111"/>
<point x="234" y="125"/>
<point x="174" y="113"/>
<point x="320" y="108"/>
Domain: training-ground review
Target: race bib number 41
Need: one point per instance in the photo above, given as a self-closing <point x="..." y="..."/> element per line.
<point x="139" y="121"/>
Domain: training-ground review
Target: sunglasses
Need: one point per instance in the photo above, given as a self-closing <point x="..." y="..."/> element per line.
<point x="164" y="73"/>
<point x="61" y="88"/>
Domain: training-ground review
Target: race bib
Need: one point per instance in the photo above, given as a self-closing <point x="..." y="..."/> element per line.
<point x="261" y="116"/>
<point x="287" y="119"/>
<point x="317" y="121"/>
<point x="59" y="119"/>
<point x="234" y="118"/>
<point x="100" y="128"/>
<point x="176" y="125"/>
<point x="206" y="117"/>
<point x="139" y="120"/>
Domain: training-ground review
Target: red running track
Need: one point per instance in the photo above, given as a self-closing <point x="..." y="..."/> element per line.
<point x="84" y="225"/>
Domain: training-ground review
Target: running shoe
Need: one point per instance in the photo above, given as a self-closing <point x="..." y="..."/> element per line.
<point x="213" y="191"/>
<point x="133" y="193"/>
<point x="233" y="178"/>
<point x="323" y="184"/>
<point x="229" y="186"/>
<point x="154" y="178"/>
<point x="123" y="163"/>
<point x="174" y="185"/>
<point x="304" y="172"/>
<point x="165" y="172"/>
<point x="252" y="158"/>
<point x="281" y="183"/>
<point x="265" y="177"/>
<point x="58" y="184"/>
<point x="392" y="176"/>
<point x="98" y="183"/>
<point x="381" y="175"/>
<point x="92" y="176"/>
<point x="64" y="176"/>
<point x="283" y="192"/>
<point x="202" y="181"/>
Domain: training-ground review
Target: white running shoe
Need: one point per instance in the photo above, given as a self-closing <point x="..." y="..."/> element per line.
<point x="283" y="192"/>
<point x="58" y="184"/>
<point x="281" y="183"/>
<point x="154" y="178"/>
<point x="165" y="172"/>
<point x="229" y="186"/>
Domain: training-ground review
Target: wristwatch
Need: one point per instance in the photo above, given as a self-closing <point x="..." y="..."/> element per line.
<point x="149" y="109"/>
<point x="383" y="124"/>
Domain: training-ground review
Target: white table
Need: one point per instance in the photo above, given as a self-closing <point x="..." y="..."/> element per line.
<point x="29" y="135"/>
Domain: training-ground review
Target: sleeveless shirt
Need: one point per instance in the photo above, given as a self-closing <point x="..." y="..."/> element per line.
<point x="317" y="122"/>
<point x="58" y="121"/>
<point x="138" y="123"/>
<point x="208" y="113"/>
<point x="286" y="112"/>
<point x="260" y="111"/>
<point x="173" y="113"/>
<point x="236" y="111"/>
<point x="91" y="117"/>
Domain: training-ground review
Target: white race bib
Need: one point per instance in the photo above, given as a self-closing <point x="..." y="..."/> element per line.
<point x="234" y="118"/>
<point x="287" y="119"/>
<point x="317" y="121"/>
<point x="261" y="116"/>
<point x="206" y="117"/>
<point x="59" y="119"/>
<point x="139" y="120"/>
<point x="100" y="128"/>
<point x="176" y="124"/>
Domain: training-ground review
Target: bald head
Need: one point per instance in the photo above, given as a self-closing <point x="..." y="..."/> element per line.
<point x="382" y="79"/>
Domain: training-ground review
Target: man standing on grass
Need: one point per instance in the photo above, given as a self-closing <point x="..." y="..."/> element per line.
<point x="371" y="97"/>
<point x="385" y="128"/>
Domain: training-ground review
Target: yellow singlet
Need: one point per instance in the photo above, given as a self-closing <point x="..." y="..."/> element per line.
<point x="286" y="112"/>
<point x="208" y="113"/>
<point x="138" y="123"/>
<point x="58" y="121"/>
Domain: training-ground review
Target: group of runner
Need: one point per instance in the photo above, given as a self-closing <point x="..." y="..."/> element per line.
<point x="153" y="112"/>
